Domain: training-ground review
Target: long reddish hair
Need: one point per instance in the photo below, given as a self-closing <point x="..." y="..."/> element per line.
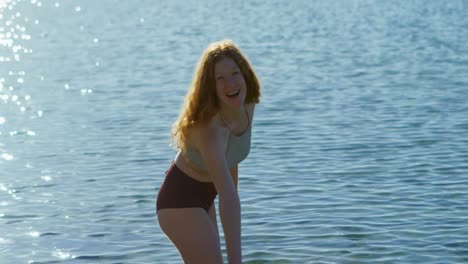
<point x="201" y="102"/>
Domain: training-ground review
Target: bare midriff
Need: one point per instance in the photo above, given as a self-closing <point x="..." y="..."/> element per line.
<point x="191" y="170"/>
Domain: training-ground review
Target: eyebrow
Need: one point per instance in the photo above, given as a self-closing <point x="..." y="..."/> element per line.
<point x="233" y="68"/>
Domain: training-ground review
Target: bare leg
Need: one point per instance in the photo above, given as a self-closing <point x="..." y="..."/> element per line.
<point x="193" y="233"/>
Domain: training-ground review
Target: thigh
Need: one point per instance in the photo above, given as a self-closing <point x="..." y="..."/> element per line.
<point x="212" y="214"/>
<point x="193" y="233"/>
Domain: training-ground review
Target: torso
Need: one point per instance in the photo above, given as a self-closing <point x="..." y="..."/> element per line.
<point x="200" y="175"/>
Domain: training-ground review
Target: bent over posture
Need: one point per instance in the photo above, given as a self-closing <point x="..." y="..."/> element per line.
<point x="213" y="135"/>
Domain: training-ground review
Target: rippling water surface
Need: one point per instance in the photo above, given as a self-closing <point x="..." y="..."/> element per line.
<point x="360" y="143"/>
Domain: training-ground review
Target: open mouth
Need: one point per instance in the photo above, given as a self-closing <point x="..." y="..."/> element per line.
<point x="233" y="94"/>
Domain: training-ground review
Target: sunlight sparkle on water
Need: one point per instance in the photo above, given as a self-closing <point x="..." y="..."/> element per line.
<point x="3" y="240"/>
<point x="7" y="156"/>
<point x="62" y="255"/>
<point x="46" y="178"/>
<point x="34" y="234"/>
<point x="86" y="91"/>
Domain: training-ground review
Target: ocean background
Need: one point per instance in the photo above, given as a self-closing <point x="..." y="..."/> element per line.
<point x="359" y="146"/>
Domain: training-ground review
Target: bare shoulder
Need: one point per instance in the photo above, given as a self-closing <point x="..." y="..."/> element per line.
<point x="212" y="142"/>
<point x="210" y="133"/>
<point x="211" y="130"/>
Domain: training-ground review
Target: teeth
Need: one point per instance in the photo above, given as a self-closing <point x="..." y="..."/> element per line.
<point x="233" y="93"/>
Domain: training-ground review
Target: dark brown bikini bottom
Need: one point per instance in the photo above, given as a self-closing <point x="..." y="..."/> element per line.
<point x="181" y="191"/>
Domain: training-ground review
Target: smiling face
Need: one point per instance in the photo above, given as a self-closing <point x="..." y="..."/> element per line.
<point x="231" y="88"/>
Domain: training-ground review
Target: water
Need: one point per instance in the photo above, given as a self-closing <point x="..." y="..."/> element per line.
<point x="359" y="148"/>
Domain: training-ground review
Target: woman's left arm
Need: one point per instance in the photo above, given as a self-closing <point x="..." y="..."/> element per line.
<point x="235" y="175"/>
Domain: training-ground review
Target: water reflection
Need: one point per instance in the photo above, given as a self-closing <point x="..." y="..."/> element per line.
<point x="360" y="133"/>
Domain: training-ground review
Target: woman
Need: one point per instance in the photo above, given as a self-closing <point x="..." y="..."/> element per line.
<point x="213" y="135"/>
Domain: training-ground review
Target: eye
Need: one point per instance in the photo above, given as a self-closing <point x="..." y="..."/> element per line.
<point x="235" y="72"/>
<point x="219" y="78"/>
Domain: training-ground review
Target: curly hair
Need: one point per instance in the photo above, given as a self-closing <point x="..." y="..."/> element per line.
<point x="201" y="102"/>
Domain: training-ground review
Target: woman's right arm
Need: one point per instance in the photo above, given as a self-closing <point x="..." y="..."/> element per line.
<point x="211" y="147"/>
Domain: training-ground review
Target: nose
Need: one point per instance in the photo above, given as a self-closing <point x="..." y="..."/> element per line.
<point x="230" y="81"/>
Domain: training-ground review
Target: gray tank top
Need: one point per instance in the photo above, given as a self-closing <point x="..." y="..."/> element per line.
<point x="238" y="147"/>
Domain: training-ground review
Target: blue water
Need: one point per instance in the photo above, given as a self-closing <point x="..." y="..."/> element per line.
<point x="359" y="150"/>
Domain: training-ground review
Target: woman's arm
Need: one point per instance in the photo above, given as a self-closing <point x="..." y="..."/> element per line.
<point x="212" y="142"/>
<point x="212" y="211"/>
<point x="235" y="175"/>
